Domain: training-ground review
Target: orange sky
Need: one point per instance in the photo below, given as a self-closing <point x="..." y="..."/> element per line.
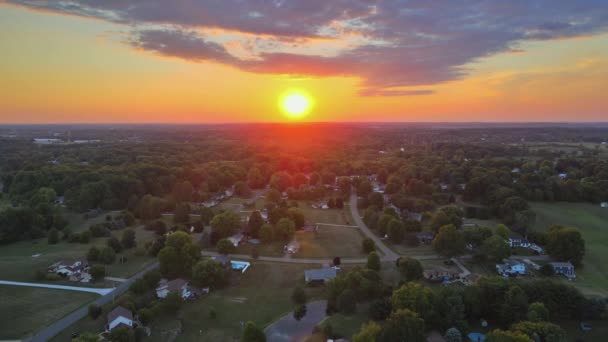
<point x="59" y="68"/>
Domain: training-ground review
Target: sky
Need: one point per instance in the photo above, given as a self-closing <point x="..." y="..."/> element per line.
<point x="90" y="61"/>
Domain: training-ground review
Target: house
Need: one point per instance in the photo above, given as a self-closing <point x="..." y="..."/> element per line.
<point x="120" y="316"/>
<point x="604" y="204"/>
<point x="210" y="203"/>
<point x="516" y="170"/>
<point x="222" y="259"/>
<point x="425" y="238"/>
<point x="75" y="270"/>
<point x="516" y="240"/>
<point x="45" y="141"/>
<point x="292" y="247"/>
<point x="564" y="268"/>
<point x="178" y="285"/>
<point x="237" y="239"/>
<point x="319" y="275"/>
<point x="511" y="267"/>
<point x="563" y="175"/>
<point x="414" y="216"/>
<point x="538" y="249"/>
<point x="443" y="187"/>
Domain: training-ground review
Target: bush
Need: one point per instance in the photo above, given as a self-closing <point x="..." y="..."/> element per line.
<point x="373" y="261"/>
<point x="53" y="236"/>
<point x="368" y="245"/>
<point x="85" y="237"/>
<point x="145" y="316"/>
<point x="547" y="270"/>
<point x="97" y="272"/>
<point x="347" y="303"/>
<point x="93" y="254"/>
<point x="40" y="275"/>
<point x="53" y="277"/>
<point x="298" y="296"/>
<point x="225" y="247"/>
<point x="94" y="311"/>
<point x="107" y="256"/>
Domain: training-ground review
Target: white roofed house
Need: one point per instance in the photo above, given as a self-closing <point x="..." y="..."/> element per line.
<point x="118" y="317"/>
<point x="516" y="240"/>
<point x="75" y="270"/>
<point x="292" y="247"/>
<point x="237" y="239"/>
<point x="319" y="275"/>
<point x="178" y="285"/>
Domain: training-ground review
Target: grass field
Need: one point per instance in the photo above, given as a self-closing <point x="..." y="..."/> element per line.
<point x="592" y="221"/>
<point x="24" y="310"/>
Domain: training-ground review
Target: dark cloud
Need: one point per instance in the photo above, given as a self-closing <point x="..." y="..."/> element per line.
<point x="404" y="43"/>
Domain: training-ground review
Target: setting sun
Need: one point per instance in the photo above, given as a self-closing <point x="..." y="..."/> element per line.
<point x="296" y="105"/>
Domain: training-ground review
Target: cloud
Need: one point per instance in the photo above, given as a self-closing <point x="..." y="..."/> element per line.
<point x="397" y="43"/>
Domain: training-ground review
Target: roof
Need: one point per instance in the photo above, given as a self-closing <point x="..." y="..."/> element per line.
<point x="222" y="259"/>
<point x="176" y="284"/>
<point x="425" y="235"/>
<point x="561" y="264"/>
<point x="320" y="274"/>
<point x="120" y="311"/>
<point x="515" y="236"/>
<point x="476" y="337"/>
<point x="512" y="262"/>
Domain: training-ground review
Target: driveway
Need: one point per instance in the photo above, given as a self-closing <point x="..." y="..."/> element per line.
<point x="287" y="329"/>
<point x="99" y="291"/>
<point x="389" y="255"/>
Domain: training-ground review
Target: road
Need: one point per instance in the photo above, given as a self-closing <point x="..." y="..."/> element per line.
<point x="389" y="255"/>
<point x="289" y="259"/>
<point x="99" y="291"/>
<point x="287" y="329"/>
<point x="64" y="323"/>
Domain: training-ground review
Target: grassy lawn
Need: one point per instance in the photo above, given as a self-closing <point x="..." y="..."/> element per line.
<point x="348" y="325"/>
<point x="25" y="310"/>
<point x="17" y="262"/>
<point x="403" y="249"/>
<point x="592" y="221"/>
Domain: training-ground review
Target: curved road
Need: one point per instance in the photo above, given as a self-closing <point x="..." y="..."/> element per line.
<point x="287" y="329"/>
<point x="389" y="255"/>
<point x="62" y="324"/>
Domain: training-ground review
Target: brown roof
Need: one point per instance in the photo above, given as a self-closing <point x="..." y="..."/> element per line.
<point x="119" y="311"/>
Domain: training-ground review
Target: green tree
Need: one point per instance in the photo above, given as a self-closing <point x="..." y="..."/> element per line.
<point x="449" y="242"/>
<point x="107" y="255"/>
<point x="225" y="224"/>
<point x="182" y="213"/>
<point x="225" y="246"/>
<point x="145" y="315"/>
<point x="415" y="297"/>
<point x="255" y="223"/>
<point x="396" y="231"/>
<point x="267" y="233"/>
<point x="53" y="236"/>
<point x="179" y="255"/>
<point x="208" y="273"/>
<point x="347" y="302"/>
<point x="496" y="248"/>
<point x="172" y="302"/>
<point x="97" y="272"/>
<point x="121" y="334"/>
<point x="566" y="244"/>
<point x="241" y="189"/>
<point x="368" y="245"/>
<point x="515" y="305"/>
<point x="368" y="333"/>
<point x="94" y="311"/>
<point x="87" y="337"/>
<point x="285" y="229"/>
<point x="113" y="243"/>
<point x="298" y="296"/>
<point x="252" y="333"/>
<point x="373" y="261"/>
<point x="128" y="239"/>
<point x="404" y="325"/>
<point x="537" y="312"/>
<point x="506" y="336"/>
<point x="545" y="330"/>
<point x="297" y="216"/>
<point x="410" y="268"/>
<point x="299" y="312"/>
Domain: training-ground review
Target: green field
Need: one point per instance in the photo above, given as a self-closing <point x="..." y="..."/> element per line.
<point x="592" y="221"/>
<point x="25" y="310"/>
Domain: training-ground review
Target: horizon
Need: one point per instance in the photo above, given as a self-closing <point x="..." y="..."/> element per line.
<point x="348" y="61"/>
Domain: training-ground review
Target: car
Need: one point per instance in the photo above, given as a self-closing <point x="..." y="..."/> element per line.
<point x="448" y="262"/>
<point x="586" y="326"/>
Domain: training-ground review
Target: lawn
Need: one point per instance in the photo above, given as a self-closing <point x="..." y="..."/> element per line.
<point x="327" y="242"/>
<point x="25" y="310"/>
<point x="405" y="250"/>
<point x="592" y="221"/>
<point x="348" y="325"/>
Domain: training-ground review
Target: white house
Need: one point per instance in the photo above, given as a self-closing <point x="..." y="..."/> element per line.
<point x="604" y="204"/>
<point x="538" y="249"/>
<point x="237" y="239"/>
<point x="511" y="267"/>
<point x="292" y="247"/>
<point x="76" y="270"/>
<point x="563" y="175"/>
<point x="176" y="285"/>
<point x="516" y="240"/>
<point x="563" y="268"/>
<point x="120" y="316"/>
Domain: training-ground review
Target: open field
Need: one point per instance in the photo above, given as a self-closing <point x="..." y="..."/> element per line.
<point x="24" y="310"/>
<point x="592" y="221"/>
<point x="405" y="250"/>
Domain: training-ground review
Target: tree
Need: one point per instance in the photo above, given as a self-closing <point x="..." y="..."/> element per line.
<point x="545" y="331"/>
<point x="113" y="243"/>
<point x="496" y="248"/>
<point x="285" y="229"/>
<point x="410" y="268"/>
<point x="415" y="297"/>
<point x="298" y="296"/>
<point x="368" y="333"/>
<point x="297" y="216"/>
<point x="225" y="246"/>
<point x="87" y="337"/>
<point x="404" y="325"/>
<point x="373" y="261"/>
<point x="515" y="305"/>
<point x="241" y="189"/>
<point x="94" y="311"/>
<point x="145" y="315"/>
<point x="566" y="244"/>
<point x="537" y="312"/>
<point x="182" y="213"/>
<point x="209" y="273"/>
<point x="368" y="245"/>
<point x="347" y="302"/>
<point x="93" y="254"/>
<point x="53" y="236"/>
<point x="121" y="334"/>
<point x="547" y="270"/>
<point x="172" y="302"/>
<point x="97" y="272"/>
<point x="255" y="223"/>
<point x="449" y="242"/>
<point x="179" y="255"/>
<point x="107" y="255"/>
<point x="506" y="336"/>
<point x="453" y="335"/>
<point x="252" y="333"/>
<point x="225" y="224"/>
<point x="128" y="239"/>
<point x="502" y="231"/>
<point x="299" y="312"/>
<point x="267" y="233"/>
<point x="396" y="231"/>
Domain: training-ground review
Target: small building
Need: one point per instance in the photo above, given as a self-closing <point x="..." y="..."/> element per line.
<point x="476" y="337"/>
<point x="563" y="268"/>
<point x="178" y="285"/>
<point x="319" y="275"/>
<point x="120" y="316"/>
<point x="515" y="170"/>
<point x="292" y="247"/>
<point x="237" y="239"/>
<point x="516" y="240"/>
<point x="538" y="249"/>
<point x="425" y="238"/>
<point x="75" y="270"/>
<point x="563" y="175"/>
<point x="222" y="259"/>
<point x="604" y="204"/>
<point x="414" y="216"/>
<point x="47" y="141"/>
<point x="511" y="267"/>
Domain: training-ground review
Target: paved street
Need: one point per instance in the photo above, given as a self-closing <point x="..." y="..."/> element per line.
<point x="287" y="329"/>
<point x="99" y="291"/>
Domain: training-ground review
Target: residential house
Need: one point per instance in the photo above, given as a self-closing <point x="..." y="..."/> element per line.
<point x="414" y="216"/>
<point x="563" y="268"/>
<point x="511" y="267"/>
<point x="319" y="275"/>
<point x="516" y="170"/>
<point x="538" y="249"/>
<point x="516" y="240"/>
<point x="75" y="270"/>
<point x="178" y="285"/>
<point x="222" y="259"/>
<point x="563" y="175"/>
<point x="292" y="247"/>
<point x="237" y="239"/>
<point x="118" y="317"/>
<point x="604" y="204"/>
<point x="425" y="238"/>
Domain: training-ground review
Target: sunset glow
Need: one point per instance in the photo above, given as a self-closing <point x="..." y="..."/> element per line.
<point x="296" y="105"/>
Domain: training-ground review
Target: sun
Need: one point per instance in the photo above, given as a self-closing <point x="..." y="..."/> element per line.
<point x="295" y="104"/>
